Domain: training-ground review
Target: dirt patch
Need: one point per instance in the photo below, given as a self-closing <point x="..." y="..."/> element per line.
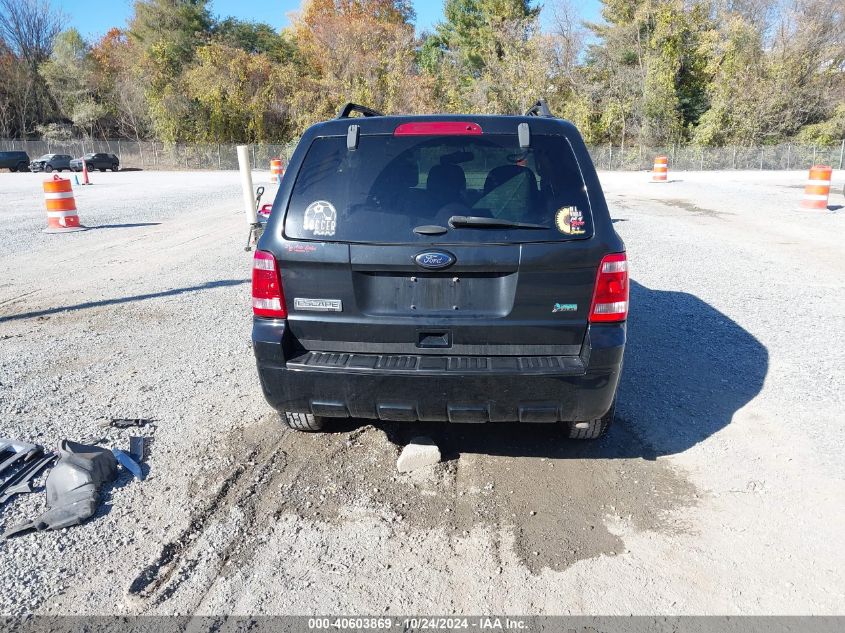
<point x="622" y="203"/>
<point x="558" y="496"/>
<point x="686" y="205"/>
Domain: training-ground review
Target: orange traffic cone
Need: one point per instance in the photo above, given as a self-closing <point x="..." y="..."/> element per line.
<point x="661" y="169"/>
<point x="817" y="189"/>
<point x="85" y="180"/>
<point x="61" y="206"/>
<point x="276" y="170"/>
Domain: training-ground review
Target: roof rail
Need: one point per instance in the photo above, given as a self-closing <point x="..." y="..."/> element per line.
<point x="349" y="108"/>
<point x="540" y="108"/>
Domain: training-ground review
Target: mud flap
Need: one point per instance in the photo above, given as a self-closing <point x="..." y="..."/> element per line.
<point x="73" y="487"/>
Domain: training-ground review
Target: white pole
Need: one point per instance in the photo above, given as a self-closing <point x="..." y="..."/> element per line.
<point x="246" y="183"/>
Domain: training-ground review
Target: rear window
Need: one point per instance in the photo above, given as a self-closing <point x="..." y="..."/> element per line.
<point x="391" y="184"/>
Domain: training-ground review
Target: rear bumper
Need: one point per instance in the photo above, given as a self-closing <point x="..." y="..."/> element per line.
<point x="441" y="388"/>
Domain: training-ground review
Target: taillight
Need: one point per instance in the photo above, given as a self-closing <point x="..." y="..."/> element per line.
<point x="268" y="300"/>
<point x="610" y="299"/>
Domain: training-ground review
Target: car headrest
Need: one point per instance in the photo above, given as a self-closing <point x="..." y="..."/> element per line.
<point x="446" y="179"/>
<point x="510" y="194"/>
<point x="500" y="175"/>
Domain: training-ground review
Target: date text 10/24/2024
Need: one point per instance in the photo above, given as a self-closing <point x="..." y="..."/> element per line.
<point x="418" y="624"/>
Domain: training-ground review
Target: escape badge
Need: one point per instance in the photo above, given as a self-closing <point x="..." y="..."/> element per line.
<point x="570" y="221"/>
<point x="320" y="218"/>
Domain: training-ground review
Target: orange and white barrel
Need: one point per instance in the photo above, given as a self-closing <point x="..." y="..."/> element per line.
<point x="817" y="189"/>
<point x="661" y="169"/>
<point x="61" y="206"/>
<point x="276" y="170"/>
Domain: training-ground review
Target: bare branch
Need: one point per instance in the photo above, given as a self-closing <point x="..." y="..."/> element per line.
<point x="29" y="27"/>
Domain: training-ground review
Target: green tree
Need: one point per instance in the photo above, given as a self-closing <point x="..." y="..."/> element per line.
<point x="470" y="28"/>
<point x="70" y="74"/>
<point x="646" y="69"/>
<point x="483" y="56"/>
<point x="255" y="38"/>
<point x="235" y="92"/>
<point x="165" y="35"/>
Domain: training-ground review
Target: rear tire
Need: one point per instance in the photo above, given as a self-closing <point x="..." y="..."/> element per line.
<point x="23" y="167"/>
<point x="593" y="429"/>
<point x="304" y="422"/>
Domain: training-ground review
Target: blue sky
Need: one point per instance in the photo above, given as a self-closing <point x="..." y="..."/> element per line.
<point x="95" y="17"/>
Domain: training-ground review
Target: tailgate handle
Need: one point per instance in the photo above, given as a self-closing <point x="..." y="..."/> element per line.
<point x="434" y="339"/>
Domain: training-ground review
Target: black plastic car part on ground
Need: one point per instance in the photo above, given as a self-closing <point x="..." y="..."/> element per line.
<point x="99" y="161"/>
<point x="441" y="268"/>
<point x="14" y="161"/>
<point x="51" y="162"/>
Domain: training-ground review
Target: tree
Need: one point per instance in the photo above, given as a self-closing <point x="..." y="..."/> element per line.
<point x="255" y="38"/>
<point x="119" y="91"/>
<point x="353" y="50"/>
<point x="646" y="69"/>
<point x="69" y="73"/>
<point x="28" y="28"/>
<point x="484" y="55"/>
<point x="234" y="91"/>
<point x="165" y="35"/>
<point x="27" y="31"/>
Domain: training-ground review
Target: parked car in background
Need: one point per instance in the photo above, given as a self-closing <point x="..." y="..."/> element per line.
<point x="51" y="162"/>
<point x="14" y="161"/>
<point x="99" y="161"/>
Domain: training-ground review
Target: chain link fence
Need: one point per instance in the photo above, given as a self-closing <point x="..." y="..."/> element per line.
<point x="155" y="155"/>
<point x="690" y="158"/>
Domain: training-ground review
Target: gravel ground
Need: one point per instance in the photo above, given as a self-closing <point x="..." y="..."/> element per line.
<point x="719" y="491"/>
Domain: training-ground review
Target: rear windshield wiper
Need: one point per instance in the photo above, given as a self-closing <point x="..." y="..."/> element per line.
<point x="478" y="222"/>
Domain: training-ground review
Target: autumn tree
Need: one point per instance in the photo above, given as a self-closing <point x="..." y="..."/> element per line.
<point x="235" y="92"/>
<point x="352" y="50"/>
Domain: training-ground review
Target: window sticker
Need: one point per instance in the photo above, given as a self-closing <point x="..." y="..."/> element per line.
<point x="320" y="218"/>
<point x="570" y="221"/>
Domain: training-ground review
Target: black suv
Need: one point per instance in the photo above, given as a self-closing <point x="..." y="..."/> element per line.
<point x="51" y="162"/>
<point x="14" y="161"/>
<point x="96" y="161"/>
<point x="441" y="268"/>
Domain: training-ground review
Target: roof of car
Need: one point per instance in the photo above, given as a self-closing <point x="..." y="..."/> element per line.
<point x="538" y="119"/>
<point x="489" y="124"/>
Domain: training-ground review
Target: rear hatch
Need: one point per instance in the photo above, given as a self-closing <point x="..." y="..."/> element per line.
<point x="421" y="242"/>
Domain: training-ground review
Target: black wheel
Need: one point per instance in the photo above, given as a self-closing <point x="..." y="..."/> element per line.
<point x="13" y="169"/>
<point x="102" y="169"/>
<point x="23" y="167"/>
<point x="114" y="167"/>
<point x="304" y="422"/>
<point x="593" y="429"/>
<point x="48" y="168"/>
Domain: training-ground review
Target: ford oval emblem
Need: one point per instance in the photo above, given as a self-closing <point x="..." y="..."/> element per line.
<point x="435" y="259"/>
